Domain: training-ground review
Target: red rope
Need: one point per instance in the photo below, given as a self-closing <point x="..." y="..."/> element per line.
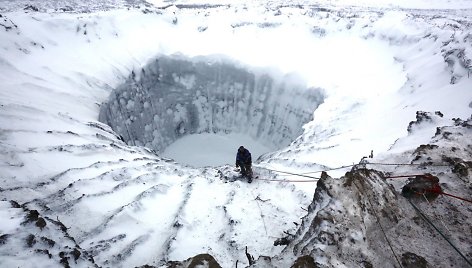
<point x="454" y="196"/>
<point x="427" y="176"/>
<point x="403" y="176"/>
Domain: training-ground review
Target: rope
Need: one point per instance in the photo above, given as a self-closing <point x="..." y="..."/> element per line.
<point x="403" y="164"/>
<point x="290" y="173"/>
<point x="368" y="199"/>
<point x="260" y="210"/>
<point x="368" y="163"/>
<point x="315" y="179"/>
<point x="353" y="165"/>
<point x="454" y="196"/>
<point x="434" y="226"/>
<point x="383" y="231"/>
<point x="440" y="218"/>
<point x="286" y="180"/>
<point x="403" y="176"/>
<point x="331" y="169"/>
<point x="385" y="235"/>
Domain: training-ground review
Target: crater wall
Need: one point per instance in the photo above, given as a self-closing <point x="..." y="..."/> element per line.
<point x="176" y="96"/>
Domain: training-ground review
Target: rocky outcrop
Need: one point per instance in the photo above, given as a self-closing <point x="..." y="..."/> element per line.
<point x="423" y="117"/>
<point x="361" y="220"/>
<point x="198" y="261"/>
<point x="38" y="241"/>
<point x="342" y="220"/>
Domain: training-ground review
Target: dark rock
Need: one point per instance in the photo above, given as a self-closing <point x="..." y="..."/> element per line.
<point x="460" y="167"/>
<point x="357" y="175"/>
<point x="205" y="260"/>
<point x="367" y="264"/>
<point x="283" y="241"/>
<point x="457" y="121"/>
<point x="202" y="259"/>
<point x="14" y="204"/>
<point x="31" y="8"/>
<point x="451" y="160"/>
<point x="424" y="148"/>
<point x="420" y="118"/>
<point x="60" y="224"/>
<point x="461" y="123"/>
<point x="326" y="238"/>
<point x="44" y="251"/>
<point x="32" y="216"/>
<point x="390" y="216"/>
<point x="4" y="239"/>
<point x="411" y="260"/>
<point x="41" y="223"/>
<point x="64" y="259"/>
<point x="76" y="254"/>
<point x="48" y="241"/>
<point x="30" y="240"/>
<point x="304" y="262"/>
<point x="66" y="9"/>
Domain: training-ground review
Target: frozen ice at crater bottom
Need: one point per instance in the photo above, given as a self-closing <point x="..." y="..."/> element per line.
<point x="208" y="149"/>
<point x="185" y="101"/>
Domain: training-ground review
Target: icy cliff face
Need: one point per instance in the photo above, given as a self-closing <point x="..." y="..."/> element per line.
<point x="175" y="96"/>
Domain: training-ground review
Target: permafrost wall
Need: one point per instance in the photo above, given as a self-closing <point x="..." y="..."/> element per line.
<point x="176" y="96"/>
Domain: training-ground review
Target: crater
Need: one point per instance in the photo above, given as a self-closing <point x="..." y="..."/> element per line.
<point x="215" y="103"/>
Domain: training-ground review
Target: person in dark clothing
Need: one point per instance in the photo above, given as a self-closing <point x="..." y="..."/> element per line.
<point x="244" y="161"/>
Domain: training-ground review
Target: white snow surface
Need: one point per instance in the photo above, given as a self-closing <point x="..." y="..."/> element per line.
<point x="378" y="63"/>
<point x="200" y="150"/>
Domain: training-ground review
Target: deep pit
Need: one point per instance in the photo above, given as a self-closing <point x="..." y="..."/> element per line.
<point x="174" y="97"/>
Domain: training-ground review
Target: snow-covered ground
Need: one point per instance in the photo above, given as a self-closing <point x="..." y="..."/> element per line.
<point x="200" y="150"/>
<point x="375" y="63"/>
